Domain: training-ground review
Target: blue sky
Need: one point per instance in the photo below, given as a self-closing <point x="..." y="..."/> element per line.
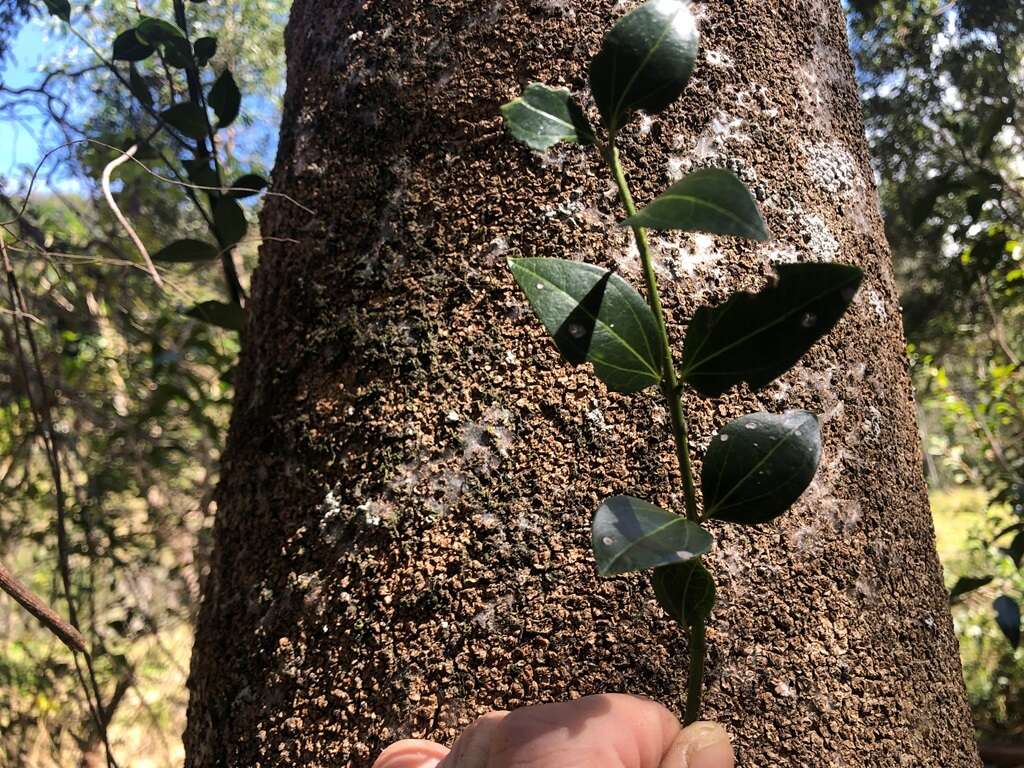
<point x="18" y="145"/>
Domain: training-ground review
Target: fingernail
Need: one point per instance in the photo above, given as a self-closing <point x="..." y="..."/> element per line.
<point x="707" y="746"/>
<point x="411" y="754"/>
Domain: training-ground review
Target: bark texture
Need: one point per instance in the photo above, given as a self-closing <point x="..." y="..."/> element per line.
<point x="402" y="535"/>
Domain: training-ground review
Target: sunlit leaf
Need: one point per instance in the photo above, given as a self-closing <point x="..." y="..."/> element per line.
<point x="156" y="31"/>
<point x="645" y="61"/>
<point x="630" y="534"/>
<point x="544" y="116"/>
<point x="593" y="314"/>
<point x="757" y="337"/>
<point x="759" y="464"/>
<point x="685" y="590"/>
<point x="225" y="99"/>
<point x="709" y="200"/>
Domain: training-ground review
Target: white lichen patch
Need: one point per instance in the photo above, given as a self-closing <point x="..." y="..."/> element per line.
<point x="718" y="59"/>
<point x="876" y="301"/>
<point x="723" y="134"/>
<point x="822" y="245"/>
<point x="685" y="257"/>
<point x="833" y="169"/>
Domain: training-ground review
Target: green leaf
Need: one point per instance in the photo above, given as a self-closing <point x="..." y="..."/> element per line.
<point x="593" y="314"/>
<point x="229" y="221"/>
<point x="645" y="61"/>
<point x="219" y="313"/>
<point x="686" y="591"/>
<point x="206" y="49"/>
<point x="203" y="174"/>
<point x="178" y="53"/>
<point x="544" y="116"/>
<point x="710" y="200"/>
<point x="128" y="47"/>
<point x="138" y="87"/>
<point x="967" y="584"/>
<point x="187" y="118"/>
<point x="187" y="250"/>
<point x="1008" y="618"/>
<point x="225" y="99"/>
<point x="156" y="31"/>
<point x="247" y="185"/>
<point x="59" y="8"/>
<point x="629" y="534"/>
<point x="757" y="337"/>
<point x="759" y="464"/>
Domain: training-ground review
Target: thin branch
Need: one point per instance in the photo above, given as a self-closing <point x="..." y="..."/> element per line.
<point x="35" y="605"/>
<point x="109" y="196"/>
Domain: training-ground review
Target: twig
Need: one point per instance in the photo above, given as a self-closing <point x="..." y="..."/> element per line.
<point x="35" y="605"/>
<point x="109" y="196"/>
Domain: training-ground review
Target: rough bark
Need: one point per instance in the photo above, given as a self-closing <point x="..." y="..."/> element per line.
<point x="402" y="534"/>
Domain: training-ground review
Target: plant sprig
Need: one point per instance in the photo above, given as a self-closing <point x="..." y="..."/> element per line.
<point x="758" y="465"/>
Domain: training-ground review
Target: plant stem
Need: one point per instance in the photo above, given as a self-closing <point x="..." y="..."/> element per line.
<point x="695" y="679"/>
<point x="670" y="381"/>
<point x="673" y="393"/>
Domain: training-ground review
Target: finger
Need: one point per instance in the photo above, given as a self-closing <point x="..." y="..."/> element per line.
<point x="473" y="746"/>
<point x="607" y="730"/>
<point x="411" y="753"/>
<point x="700" y="745"/>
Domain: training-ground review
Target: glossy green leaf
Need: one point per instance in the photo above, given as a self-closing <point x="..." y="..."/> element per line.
<point x="1008" y="618"/>
<point x="593" y="314"/>
<point x="686" y="591"/>
<point x="709" y="200"/>
<point x="229" y="221"/>
<point x="629" y="534"/>
<point x="757" y="337"/>
<point x="59" y="8"/>
<point x="128" y="47"/>
<point x="187" y="250"/>
<point x="544" y="116"/>
<point x="156" y="31"/>
<point x="225" y="99"/>
<point x="205" y="49"/>
<point x="219" y="313"/>
<point x="967" y="584"/>
<point x="645" y="61"/>
<point x="139" y="88"/>
<point x="759" y="464"/>
<point x="187" y="118"/>
<point x="247" y="185"/>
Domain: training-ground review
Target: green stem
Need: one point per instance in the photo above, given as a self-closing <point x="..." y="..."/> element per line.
<point x="695" y="680"/>
<point x="670" y="380"/>
<point x="673" y="393"/>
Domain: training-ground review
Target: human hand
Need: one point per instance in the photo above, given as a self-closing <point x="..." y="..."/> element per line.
<point x="609" y="730"/>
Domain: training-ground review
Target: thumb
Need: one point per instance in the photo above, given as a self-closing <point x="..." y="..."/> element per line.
<point x="700" y="745"/>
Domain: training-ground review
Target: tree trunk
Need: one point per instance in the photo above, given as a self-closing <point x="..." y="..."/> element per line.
<point x="402" y="541"/>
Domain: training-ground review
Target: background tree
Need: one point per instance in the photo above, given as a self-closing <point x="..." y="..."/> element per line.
<point x="139" y="391"/>
<point x="401" y="540"/>
<point x="943" y="94"/>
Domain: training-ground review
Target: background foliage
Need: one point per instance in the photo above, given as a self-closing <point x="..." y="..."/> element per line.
<point x="141" y="391"/>
<point x="943" y="89"/>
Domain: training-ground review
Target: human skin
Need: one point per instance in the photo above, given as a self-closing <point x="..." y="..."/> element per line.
<point x="609" y="730"/>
